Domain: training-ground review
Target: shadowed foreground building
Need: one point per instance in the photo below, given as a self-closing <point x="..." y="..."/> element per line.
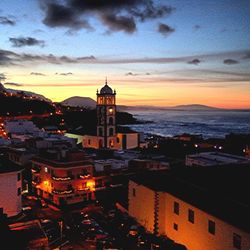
<point x="204" y="208"/>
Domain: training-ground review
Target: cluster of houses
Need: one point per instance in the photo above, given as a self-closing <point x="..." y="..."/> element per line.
<point x="181" y="205"/>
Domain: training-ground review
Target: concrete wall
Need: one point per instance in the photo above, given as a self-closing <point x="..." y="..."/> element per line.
<point x="141" y="205"/>
<point x="10" y="201"/>
<point x="195" y="236"/>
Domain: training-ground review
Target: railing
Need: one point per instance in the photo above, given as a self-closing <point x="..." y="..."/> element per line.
<point x="66" y="178"/>
<point x="84" y="176"/>
<point x="63" y="192"/>
<point x="35" y="171"/>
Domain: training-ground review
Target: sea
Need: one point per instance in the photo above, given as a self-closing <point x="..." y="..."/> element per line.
<point x="208" y="123"/>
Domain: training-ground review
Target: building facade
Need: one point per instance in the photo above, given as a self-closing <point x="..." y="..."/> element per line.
<point x="164" y="213"/>
<point x="64" y="177"/>
<point x="10" y="189"/>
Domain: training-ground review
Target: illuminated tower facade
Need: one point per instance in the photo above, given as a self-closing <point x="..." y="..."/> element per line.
<point x="106" y="116"/>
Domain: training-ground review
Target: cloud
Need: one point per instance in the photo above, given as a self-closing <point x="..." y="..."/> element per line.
<point x="134" y="74"/>
<point x="37" y="74"/>
<point x="194" y="61"/>
<point x="119" y="23"/>
<point x="7" y="21"/>
<point x="62" y="16"/>
<point x="230" y="61"/>
<point x="115" y="15"/>
<point x="10" y="58"/>
<point x="196" y="27"/>
<point x="26" y="41"/>
<point x="2" y="77"/>
<point x="165" y="30"/>
<point x="131" y="74"/>
<point x="246" y="56"/>
<point x="66" y="74"/>
<point x="13" y="84"/>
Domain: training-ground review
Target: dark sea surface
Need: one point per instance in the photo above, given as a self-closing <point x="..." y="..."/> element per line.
<point x="209" y="123"/>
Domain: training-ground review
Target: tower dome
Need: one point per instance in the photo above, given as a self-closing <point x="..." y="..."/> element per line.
<point x="106" y="89"/>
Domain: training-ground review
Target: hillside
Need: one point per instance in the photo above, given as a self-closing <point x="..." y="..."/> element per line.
<point x="79" y="101"/>
<point x="17" y="105"/>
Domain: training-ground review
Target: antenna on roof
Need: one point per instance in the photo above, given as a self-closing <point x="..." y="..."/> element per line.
<point x="106" y="81"/>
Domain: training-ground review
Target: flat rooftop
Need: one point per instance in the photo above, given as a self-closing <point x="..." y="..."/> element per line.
<point x="218" y="157"/>
<point x="8" y="167"/>
<point x="28" y="231"/>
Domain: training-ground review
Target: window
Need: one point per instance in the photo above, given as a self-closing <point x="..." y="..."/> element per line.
<point x="19" y="191"/>
<point x="100" y="132"/>
<point x="175" y="226"/>
<point x="134" y="194"/>
<point x="18" y="176"/>
<point x="111" y="131"/>
<point x="176" y="207"/>
<point x="46" y="170"/>
<point x="89" y="142"/>
<point x="191" y="215"/>
<point x="111" y="143"/>
<point x="110" y="110"/>
<point x="237" y="241"/>
<point x="111" y="120"/>
<point x="211" y="227"/>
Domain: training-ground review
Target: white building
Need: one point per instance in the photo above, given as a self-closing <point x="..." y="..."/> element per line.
<point x="214" y="159"/>
<point x="21" y="127"/>
<point x="109" y="164"/>
<point x="10" y="189"/>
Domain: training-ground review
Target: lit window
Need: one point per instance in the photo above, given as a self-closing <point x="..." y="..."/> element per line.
<point x="110" y="110"/>
<point x="176" y="207"/>
<point x="175" y="226"/>
<point x="211" y="227"/>
<point x="237" y="241"/>
<point x="191" y="215"/>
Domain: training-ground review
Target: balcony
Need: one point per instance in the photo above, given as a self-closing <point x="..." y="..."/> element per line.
<point x="62" y="192"/>
<point x="65" y="178"/>
<point x="35" y="171"/>
<point x="84" y="176"/>
<point x="83" y="190"/>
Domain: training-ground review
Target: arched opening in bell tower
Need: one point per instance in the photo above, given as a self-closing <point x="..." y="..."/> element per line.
<point x="111" y="132"/>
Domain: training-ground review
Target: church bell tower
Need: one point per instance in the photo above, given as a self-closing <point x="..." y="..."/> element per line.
<point x="106" y="114"/>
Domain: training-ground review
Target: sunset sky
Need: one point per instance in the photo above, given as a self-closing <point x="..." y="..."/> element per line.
<point x="160" y="53"/>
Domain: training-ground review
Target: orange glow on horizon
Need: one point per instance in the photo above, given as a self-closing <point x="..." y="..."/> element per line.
<point x="151" y="92"/>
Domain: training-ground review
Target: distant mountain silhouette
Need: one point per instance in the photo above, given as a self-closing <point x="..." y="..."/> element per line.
<point x="194" y="107"/>
<point x="179" y="107"/>
<point x="79" y="101"/>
